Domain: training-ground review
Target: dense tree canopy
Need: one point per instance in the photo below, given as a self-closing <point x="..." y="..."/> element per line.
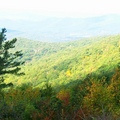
<point x="77" y="80"/>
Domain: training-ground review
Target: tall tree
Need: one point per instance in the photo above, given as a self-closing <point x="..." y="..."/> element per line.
<point x="9" y="62"/>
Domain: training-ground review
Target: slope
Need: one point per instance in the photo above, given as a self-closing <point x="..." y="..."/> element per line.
<point x="68" y="63"/>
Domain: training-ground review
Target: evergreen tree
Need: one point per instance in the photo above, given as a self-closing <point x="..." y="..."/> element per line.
<point x="9" y="62"/>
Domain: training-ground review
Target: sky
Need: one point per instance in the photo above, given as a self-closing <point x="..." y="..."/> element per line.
<point x="69" y="8"/>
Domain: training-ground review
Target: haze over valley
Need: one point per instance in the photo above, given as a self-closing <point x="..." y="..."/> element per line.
<point x="60" y="29"/>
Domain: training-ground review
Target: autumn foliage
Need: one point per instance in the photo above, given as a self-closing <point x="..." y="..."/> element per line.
<point x="91" y="99"/>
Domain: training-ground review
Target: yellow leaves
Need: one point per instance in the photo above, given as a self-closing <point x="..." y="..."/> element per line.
<point x="68" y="73"/>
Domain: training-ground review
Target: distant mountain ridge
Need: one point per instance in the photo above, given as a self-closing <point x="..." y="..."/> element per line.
<point x="51" y="29"/>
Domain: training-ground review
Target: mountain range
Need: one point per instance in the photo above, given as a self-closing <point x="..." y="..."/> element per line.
<point x="53" y="29"/>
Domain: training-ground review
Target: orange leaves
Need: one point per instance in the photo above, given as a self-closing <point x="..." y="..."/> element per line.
<point x="64" y="96"/>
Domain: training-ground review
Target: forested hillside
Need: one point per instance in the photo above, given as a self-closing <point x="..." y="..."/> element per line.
<point x="67" y="63"/>
<point x="77" y="80"/>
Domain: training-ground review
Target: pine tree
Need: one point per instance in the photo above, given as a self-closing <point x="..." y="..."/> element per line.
<point x="9" y="61"/>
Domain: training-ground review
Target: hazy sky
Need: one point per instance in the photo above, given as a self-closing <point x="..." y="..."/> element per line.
<point x="75" y="8"/>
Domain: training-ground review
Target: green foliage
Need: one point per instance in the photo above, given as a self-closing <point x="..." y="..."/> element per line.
<point x="90" y="99"/>
<point x="65" y="63"/>
<point x="8" y="61"/>
<point x="68" y="81"/>
<point x="47" y="91"/>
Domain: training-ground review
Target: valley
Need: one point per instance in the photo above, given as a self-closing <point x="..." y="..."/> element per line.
<point x="65" y="63"/>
